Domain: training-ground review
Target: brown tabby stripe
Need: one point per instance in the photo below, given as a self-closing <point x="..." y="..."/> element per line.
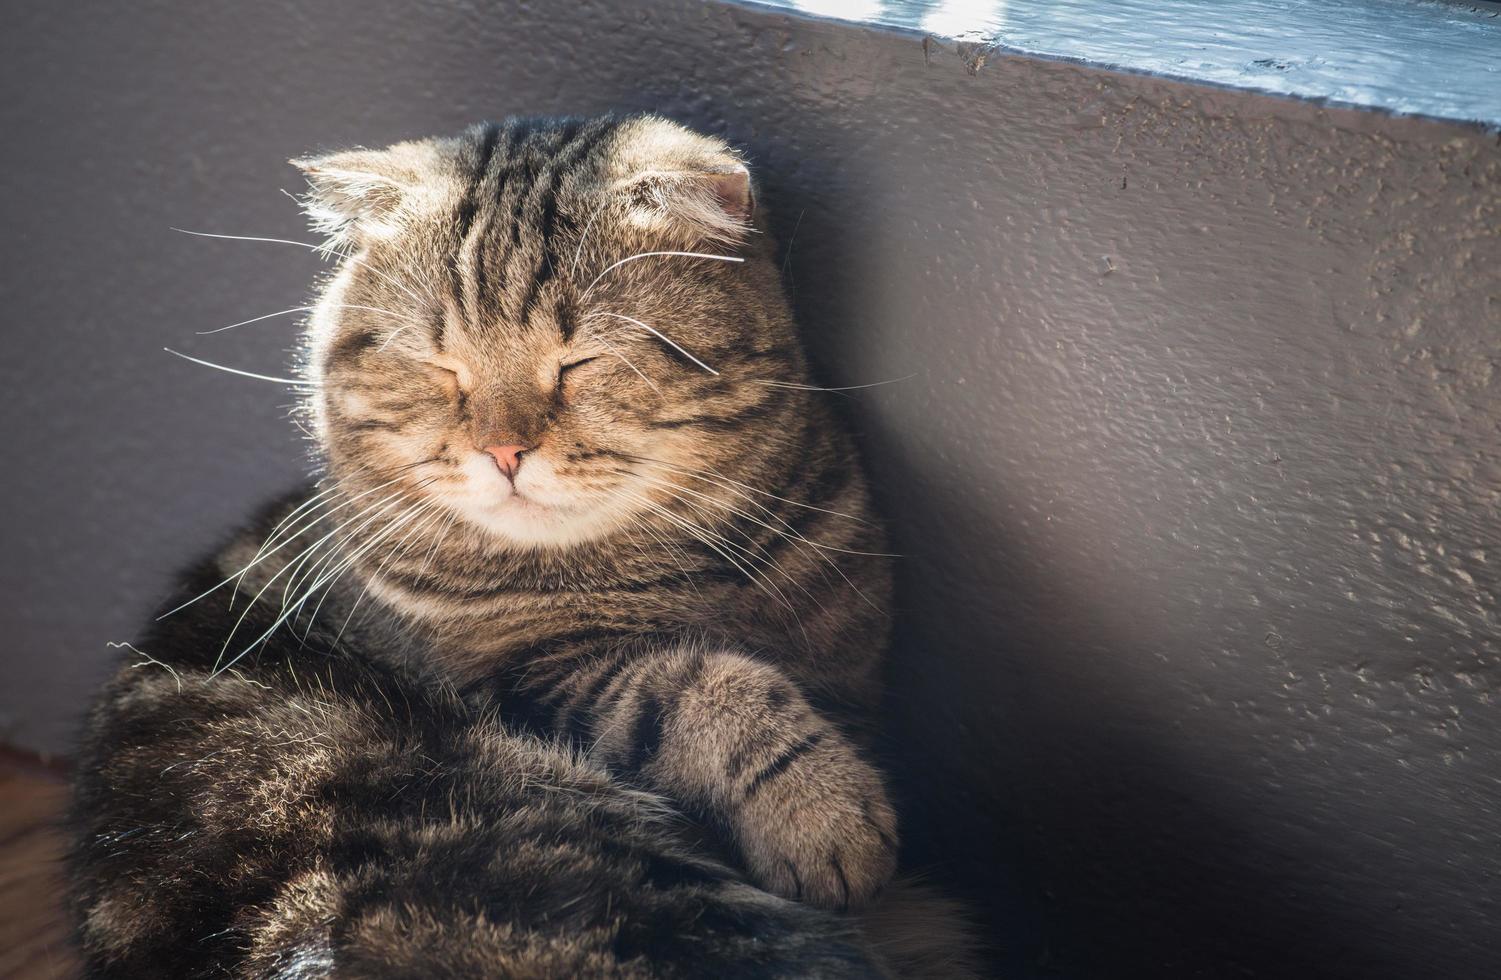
<point x="489" y="134"/>
<point x="490" y="185"/>
<point x="582" y="142"/>
<point x="779" y="765"/>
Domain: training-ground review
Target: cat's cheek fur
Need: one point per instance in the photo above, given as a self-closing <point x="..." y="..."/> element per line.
<point x="322" y="326"/>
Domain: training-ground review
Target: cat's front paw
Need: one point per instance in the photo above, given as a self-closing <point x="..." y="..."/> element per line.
<point x="815" y="824"/>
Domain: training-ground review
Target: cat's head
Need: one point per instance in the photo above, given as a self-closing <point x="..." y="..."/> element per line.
<point x="544" y="327"/>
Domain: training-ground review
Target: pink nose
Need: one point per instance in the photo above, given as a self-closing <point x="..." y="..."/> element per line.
<point x="508" y="458"/>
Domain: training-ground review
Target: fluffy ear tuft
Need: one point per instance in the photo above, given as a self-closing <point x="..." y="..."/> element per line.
<point x="733" y="189"/>
<point x="714" y="205"/>
<point x="358" y="193"/>
<point x="679" y="182"/>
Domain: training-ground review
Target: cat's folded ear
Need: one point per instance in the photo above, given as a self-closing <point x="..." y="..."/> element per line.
<point x="682" y="184"/>
<point x="359" y="194"/>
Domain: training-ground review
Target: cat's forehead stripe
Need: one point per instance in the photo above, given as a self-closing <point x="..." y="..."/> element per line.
<point x="515" y="193"/>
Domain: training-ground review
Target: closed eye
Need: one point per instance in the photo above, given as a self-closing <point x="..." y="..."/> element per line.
<point x="452" y="375"/>
<point x="563" y="369"/>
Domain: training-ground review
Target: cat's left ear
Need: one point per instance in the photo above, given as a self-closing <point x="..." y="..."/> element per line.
<point x="715" y="203"/>
<point x="680" y="183"/>
<point x="359" y="193"/>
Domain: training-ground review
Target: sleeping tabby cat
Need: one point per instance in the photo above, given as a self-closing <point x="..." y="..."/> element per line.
<point x="566" y="665"/>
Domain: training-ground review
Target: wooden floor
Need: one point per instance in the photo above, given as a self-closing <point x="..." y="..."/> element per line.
<point x="33" y="929"/>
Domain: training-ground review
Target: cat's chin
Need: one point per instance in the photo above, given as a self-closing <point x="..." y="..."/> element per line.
<point x="518" y="521"/>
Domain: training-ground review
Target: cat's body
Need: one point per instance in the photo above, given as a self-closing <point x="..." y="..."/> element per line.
<point x="589" y="554"/>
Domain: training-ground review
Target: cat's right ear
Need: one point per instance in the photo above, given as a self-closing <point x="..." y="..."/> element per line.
<point x="358" y="194"/>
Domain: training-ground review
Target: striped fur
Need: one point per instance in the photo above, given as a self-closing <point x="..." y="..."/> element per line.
<point x="466" y="707"/>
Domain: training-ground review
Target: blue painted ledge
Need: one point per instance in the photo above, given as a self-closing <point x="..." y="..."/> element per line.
<point x="1430" y="58"/>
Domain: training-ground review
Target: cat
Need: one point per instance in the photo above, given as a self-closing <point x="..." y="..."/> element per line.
<point x="568" y="663"/>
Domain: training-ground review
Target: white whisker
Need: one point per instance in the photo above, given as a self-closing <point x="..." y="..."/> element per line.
<point x="326" y="249"/>
<point x="803" y="387"/>
<point x="392" y="336"/>
<point x="577" y="252"/>
<point x="326" y="579"/>
<point x="396" y="549"/>
<point x="646" y="255"/>
<point x="760" y="553"/>
<point x="317" y="502"/>
<point x="295" y="309"/>
<point x="312" y="246"/>
<point x="262" y="554"/>
<point x="791" y="534"/>
<point x="714" y="476"/>
<point x="718" y="543"/>
<point x="792" y="240"/>
<point x="149" y="660"/>
<point x="296" y="382"/>
<point x="288" y="612"/>
<point x="292" y="568"/>
<point x="421" y="569"/>
<point x="673" y="551"/>
<point x="607" y="346"/>
<point x="417" y="508"/>
<point x="292" y="585"/>
<point x="655" y="333"/>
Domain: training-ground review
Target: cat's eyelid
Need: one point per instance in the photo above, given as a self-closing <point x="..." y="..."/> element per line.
<point x="452" y="365"/>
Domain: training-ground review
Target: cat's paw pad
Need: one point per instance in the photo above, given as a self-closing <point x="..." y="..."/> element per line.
<point x="816" y="826"/>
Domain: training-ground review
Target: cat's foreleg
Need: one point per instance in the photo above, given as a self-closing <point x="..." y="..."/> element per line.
<point x="736" y="736"/>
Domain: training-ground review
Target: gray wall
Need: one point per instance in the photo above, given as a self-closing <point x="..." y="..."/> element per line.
<point x="1196" y="474"/>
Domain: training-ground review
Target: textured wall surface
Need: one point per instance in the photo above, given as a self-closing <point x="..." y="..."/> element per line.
<point x="1431" y="58"/>
<point x="1196" y="472"/>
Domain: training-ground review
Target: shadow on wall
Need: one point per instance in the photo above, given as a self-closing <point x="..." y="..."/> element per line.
<point x="1094" y="845"/>
<point x="1090" y="839"/>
